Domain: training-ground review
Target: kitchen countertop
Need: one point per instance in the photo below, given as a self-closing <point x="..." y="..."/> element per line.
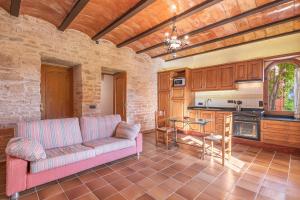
<point x="228" y="109"/>
<point x="281" y="118"/>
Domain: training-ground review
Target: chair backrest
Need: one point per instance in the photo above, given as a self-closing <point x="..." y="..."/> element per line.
<point x="227" y="132"/>
<point x="160" y="118"/>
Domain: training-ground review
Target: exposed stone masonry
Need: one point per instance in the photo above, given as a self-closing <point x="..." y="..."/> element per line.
<point x="27" y="42"/>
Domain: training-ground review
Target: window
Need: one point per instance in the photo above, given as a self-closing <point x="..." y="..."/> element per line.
<point x="279" y="88"/>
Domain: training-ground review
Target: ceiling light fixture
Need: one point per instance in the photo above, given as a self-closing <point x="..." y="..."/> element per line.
<point x="172" y="41"/>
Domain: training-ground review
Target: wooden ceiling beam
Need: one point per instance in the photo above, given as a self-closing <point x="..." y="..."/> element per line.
<point x="224" y="21"/>
<point x="15" y="7"/>
<point x="240" y="44"/>
<point x="131" y="12"/>
<point x="276" y="23"/>
<point x="169" y="21"/>
<point x="79" y="5"/>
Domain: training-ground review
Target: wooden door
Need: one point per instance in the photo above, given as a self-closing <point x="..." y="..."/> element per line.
<point x="164" y="102"/>
<point x="164" y="81"/>
<point x="210" y="116"/>
<point x="197" y="79"/>
<point x="120" y="94"/>
<point x="56" y="92"/>
<point x="255" y="70"/>
<point x="226" y="77"/>
<point x="211" y="78"/>
<point x="241" y="71"/>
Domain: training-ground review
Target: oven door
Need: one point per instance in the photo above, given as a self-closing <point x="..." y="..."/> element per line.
<point x="246" y="129"/>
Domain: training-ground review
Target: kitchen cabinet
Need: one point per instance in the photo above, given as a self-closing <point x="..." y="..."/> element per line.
<point x="211" y="79"/>
<point x="255" y="70"/>
<point x="210" y="116"/>
<point x="198" y="79"/>
<point x="164" y="81"/>
<point x="241" y="73"/>
<point x="283" y="133"/>
<point x="219" y="123"/>
<point x="249" y="70"/>
<point x="226" y="78"/>
<point x="164" y="101"/>
<point x="177" y="110"/>
<point x="178" y="93"/>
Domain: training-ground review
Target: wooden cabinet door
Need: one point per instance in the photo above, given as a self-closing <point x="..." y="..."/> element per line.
<point x="255" y="70"/>
<point x="178" y="93"/>
<point x="241" y="73"/>
<point x="211" y="78"/>
<point x="226" y="80"/>
<point x="177" y="108"/>
<point x="164" y="102"/>
<point x="164" y="81"/>
<point x="210" y="116"/>
<point x="197" y="79"/>
<point x="219" y="124"/>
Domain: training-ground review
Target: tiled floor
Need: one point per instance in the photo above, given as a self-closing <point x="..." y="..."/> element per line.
<point x="179" y="174"/>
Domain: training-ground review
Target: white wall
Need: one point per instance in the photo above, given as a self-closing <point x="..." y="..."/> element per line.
<point x="249" y="93"/>
<point x="107" y="98"/>
<point x="267" y="48"/>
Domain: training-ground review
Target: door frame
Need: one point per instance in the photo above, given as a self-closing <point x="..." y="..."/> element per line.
<point x="43" y="87"/>
<point x="114" y="94"/>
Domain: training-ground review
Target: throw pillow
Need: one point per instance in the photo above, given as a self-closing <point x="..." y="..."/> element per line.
<point x="128" y="131"/>
<point x="25" y="148"/>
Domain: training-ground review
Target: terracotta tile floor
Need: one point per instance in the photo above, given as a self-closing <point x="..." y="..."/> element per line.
<point x="179" y="174"/>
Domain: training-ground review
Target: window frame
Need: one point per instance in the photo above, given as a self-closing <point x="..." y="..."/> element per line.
<point x="266" y="91"/>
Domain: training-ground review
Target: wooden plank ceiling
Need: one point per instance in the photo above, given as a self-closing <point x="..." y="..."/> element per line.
<point x="140" y="24"/>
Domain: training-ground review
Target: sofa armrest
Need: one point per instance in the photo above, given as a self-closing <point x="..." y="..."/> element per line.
<point x="16" y="174"/>
<point x="139" y="143"/>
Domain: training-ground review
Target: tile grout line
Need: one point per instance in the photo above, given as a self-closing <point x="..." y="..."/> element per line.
<point x="260" y="185"/>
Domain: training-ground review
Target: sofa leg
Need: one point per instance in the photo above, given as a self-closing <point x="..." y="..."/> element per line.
<point x="138" y="155"/>
<point x="15" y="196"/>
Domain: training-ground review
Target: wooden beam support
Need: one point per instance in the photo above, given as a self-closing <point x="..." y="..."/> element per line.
<point x="80" y="4"/>
<point x="131" y="12"/>
<point x="15" y="7"/>
<point x="224" y="21"/>
<point x="169" y="21"/>
<point x="296" y="17"/>
<point x="236" y="45"/>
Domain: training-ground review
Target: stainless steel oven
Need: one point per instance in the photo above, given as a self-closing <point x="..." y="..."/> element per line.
<point x="246" y="124"/>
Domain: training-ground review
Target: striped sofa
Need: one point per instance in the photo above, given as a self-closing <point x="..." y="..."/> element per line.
<point x="71" y="146"/>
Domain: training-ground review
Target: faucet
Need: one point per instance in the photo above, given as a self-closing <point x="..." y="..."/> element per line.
<point x="206" y="102"/>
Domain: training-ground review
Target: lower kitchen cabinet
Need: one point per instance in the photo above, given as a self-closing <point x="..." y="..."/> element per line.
<point x="219" y="124"/>
<point x="177" y="110"/>
<point x="283" y="133"/>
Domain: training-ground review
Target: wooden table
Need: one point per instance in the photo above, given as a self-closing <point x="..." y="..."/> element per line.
<point x="187" y="122"/>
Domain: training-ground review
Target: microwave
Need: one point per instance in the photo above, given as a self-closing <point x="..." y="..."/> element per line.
<point x="180" y="81"/>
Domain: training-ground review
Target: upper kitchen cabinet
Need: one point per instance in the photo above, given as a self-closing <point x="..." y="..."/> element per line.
<point x="211" y="80"/>
<point x="248" y="71"/>
<point x="226" y="78"/>
<point x="255" y="70"/>
<point x="198" y="79"/>
<point x="164" y="81"/>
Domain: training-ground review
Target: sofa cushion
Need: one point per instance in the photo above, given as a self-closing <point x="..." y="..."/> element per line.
<point x="127" y="131"/>
<point x="52" y="133"/>
<point x="109" y="144"/>
<point x="62" y="156"/>
<point x="98" y="127"/>
<point x="25" y="148"/>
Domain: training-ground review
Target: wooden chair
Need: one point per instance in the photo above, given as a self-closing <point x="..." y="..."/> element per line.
<point x="224" y="139"/>
<point x="163" y="133"/>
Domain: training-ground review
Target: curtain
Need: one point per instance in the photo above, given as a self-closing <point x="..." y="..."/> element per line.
<point x="297" y="93"/>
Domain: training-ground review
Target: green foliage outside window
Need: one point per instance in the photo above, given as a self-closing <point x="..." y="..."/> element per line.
<point x="281" y="80"/>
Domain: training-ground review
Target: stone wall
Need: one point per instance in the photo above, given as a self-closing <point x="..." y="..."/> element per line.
<point x="27" y="42"/>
